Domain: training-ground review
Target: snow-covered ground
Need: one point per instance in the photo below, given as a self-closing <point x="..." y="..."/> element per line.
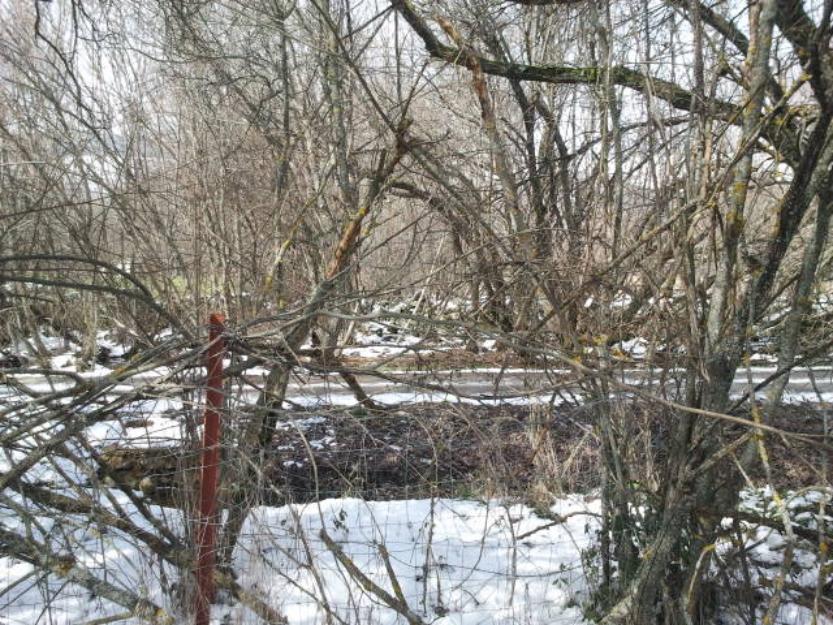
<point x="762" y="556"/>
<point x="456" y="561"/>
<point x="453" y="561"/>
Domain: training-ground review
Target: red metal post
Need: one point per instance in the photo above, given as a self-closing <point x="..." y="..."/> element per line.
<point x="206" y="528"/>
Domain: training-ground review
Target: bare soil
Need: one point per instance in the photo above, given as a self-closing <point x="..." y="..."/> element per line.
<point x="531" y="453"/>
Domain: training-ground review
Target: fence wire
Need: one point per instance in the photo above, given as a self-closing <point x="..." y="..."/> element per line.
<point x="424" y="511"/>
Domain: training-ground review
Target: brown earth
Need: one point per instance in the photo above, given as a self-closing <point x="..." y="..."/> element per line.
<point x="455" y="450"/>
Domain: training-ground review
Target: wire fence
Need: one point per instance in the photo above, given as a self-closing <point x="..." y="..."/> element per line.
<point x="453" y="511"/>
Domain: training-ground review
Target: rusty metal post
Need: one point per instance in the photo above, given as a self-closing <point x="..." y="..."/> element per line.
<point x="206" y="528"/>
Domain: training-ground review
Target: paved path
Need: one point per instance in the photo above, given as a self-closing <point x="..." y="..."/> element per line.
<point x="515" y="384"/>
<point x="488" y="385"/>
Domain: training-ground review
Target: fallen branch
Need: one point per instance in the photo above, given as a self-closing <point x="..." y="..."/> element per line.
<point x="66" y="566"/>
<point x="397" y="604"/>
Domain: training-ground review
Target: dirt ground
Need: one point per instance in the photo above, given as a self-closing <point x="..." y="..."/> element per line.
<point x="530" y="453"/>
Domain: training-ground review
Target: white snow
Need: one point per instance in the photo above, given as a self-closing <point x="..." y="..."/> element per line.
<point x="635" y="348"/>
<point x="151" y="423"/>
<point x="765" y="546"/>
<point x="455" y="561"/>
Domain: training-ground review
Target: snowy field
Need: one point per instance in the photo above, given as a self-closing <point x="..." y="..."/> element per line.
<point x="455" y="561"/>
